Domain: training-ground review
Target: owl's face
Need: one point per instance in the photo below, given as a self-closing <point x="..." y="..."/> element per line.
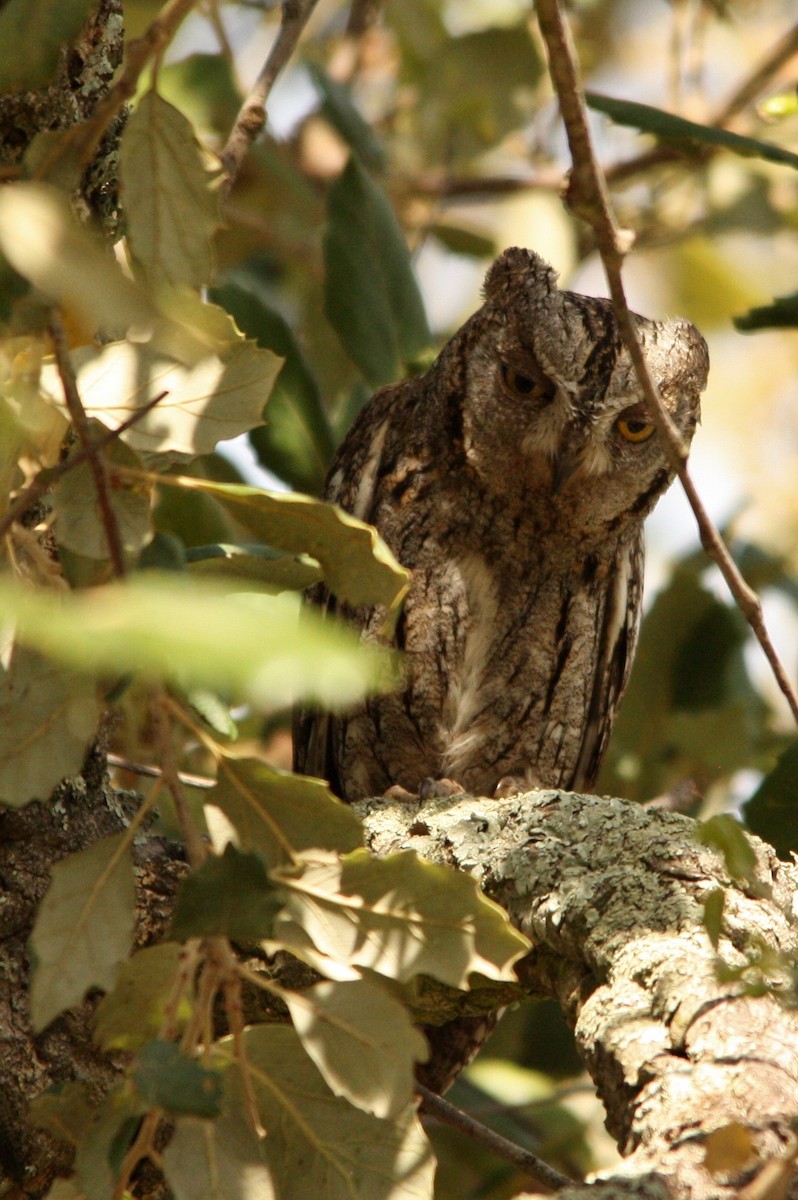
<point x="553" y="402"/>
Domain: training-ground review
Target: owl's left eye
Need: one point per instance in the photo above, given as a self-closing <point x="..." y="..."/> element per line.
<point x="635" y="428"/>
<point x="523" y="385"/>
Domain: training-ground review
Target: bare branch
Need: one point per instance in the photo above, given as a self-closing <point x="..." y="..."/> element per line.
<point x="589" y="198"/>
<point x="83" y="430"/>
<point x="448" y="1114"/>
<point x="252" y="114"/>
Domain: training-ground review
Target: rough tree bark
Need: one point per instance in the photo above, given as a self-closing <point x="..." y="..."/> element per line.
<point x="612" y="897"/>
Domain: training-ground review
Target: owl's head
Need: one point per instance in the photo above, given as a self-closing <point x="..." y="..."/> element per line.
<point x="552" y="394"/>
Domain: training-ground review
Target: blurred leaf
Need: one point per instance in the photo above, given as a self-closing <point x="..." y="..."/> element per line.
<point x="230" y="895"/>
<point x="218" y="398"/>
<point x="358" y="567"/>
<point x="217" y="1160"/>
<point x="461" y="240"/>
<point x="362" y="1041"/>
<point x="42" y="239"/>
<point x="714" y="904"/>
<point x="297" y="441"/>
<point x="48" y="716"/>
<point x="672" y="128"/>
<point x="105" y="1141"/>
<point x="203" y="88"/>
<point x="339" y="109"/>
<point x="197" y="634"/>
<point x="64" y="1110"/>
<point x="170" y="195"/>
<point x="781" y="314"/>
<point x="83" y="929"/>
<point x="79" y="521"/>
<point x="725" y="834"/>
<point x="31" y="34"/>
<point x="699" y="674"/>
<point x="372" y="299"/>
<point x="132" y="1013"/>
<point x="318" y="1144"/>
<point x="772" y="811"/>
<point x="281" y="815"/>
<point x="729" y="1149"/>
<point x="401" y="917"/>
<point x="253" y="565"/>
<point x="166" y="1078"/>
<point x="214" y="711"/>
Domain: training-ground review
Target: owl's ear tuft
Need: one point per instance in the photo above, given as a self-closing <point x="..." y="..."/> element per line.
<point x="516" y="269"/>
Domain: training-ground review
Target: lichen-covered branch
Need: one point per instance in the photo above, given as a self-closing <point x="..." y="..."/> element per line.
<point x="612" y="896"/>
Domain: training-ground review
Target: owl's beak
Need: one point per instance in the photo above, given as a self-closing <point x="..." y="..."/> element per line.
<point x="563" y="465"/>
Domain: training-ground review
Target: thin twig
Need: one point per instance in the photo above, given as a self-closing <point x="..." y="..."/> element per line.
<point x="544" y="1175"/>
<point x="196" y="849"/>
<point x="589" y="198"/>
<point x="204" y="782"/>
<point x="252" y="114"/>
<point x="50" y="475"/>
<point x="83" y="430"/>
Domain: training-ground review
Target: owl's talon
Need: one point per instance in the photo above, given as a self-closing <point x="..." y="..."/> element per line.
<point x="436" y="789"/>
<point x="510" y="785"/>
<point x="397" y="792"/>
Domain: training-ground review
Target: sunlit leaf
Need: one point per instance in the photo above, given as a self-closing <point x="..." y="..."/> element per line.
<point x="217" y="1160"/>
<point x="83" y="929"/>
<point x="132" y="1014"/>
<point x="230" y="895"/>
<point x="247" y="565"/>
<point x="171" y="202"/>
<point x="371" y="295"/>
<point x="363" y="1042"/>
<point x="317" y="1143"/>
<point x="399" y="916"/>
<point x="726" y="835"/>
<point x="280" y="814"/>
<point x="667" y="125"/>
<point x="79" y="515"/>
<point x="197" y="634"/>
<point x="31" y="34"/>
<point x="42" y="239"/>
<point x="166" y="1078"/>
<point x="357" y="564"/>
<point x="48" y="716"/>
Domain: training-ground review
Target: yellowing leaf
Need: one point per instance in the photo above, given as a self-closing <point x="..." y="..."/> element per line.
<point x="171" y="202"/>
<point x="398" y="916"/>
<point x="194" y="633"/>
<point x="132" y="1014"/>
<point x="363" y="1042"/>
<point x="84" y="928"/>
<point x="48" y="716"/>
<point x="280" y="814"/>
<point x="41" y="238"/>
<point x="728" y="1149"/>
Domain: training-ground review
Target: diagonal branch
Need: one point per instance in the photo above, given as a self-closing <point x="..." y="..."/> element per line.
<point x="252" y="114"/>
<point x="589" y="198"/>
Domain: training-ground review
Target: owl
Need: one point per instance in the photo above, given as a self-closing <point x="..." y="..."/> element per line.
<point x="512" y="479"/>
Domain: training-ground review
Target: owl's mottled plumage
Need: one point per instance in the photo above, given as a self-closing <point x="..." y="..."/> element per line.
<point x="513" y="479"/>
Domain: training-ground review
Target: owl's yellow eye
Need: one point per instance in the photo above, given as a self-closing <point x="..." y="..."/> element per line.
<point x="525" y="386"/>
<point x="635" y="429"/>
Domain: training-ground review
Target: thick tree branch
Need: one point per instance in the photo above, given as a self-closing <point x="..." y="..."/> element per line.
<point x="612" y="897"/>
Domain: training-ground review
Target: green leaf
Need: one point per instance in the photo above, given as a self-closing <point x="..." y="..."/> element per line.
<point x="725" y="834"/>
<point x="713" y="915"/>
<point x="280" y="814"/>
<point x="317" y="1143"/>
<point x="133" y="1013"/>
<point x="48" y="716"/>
<point x="79" y="520"/>
<point x="667" y="125"/>
<point x="105" y="1142"/>
<point x="217" y="1160"/>
<point x="398" y="916"/>
<point x="297" y="441"/>
<point x="462" y="240"/>
<point x="31" y="34"/>
<point x="358" y="567"/>
<point x="64" y="1110"/>
<point x="230" y="895"/>
<point x="248" y="565"/>
<point x="220" y="397"/>
<point x="170" y="195"/>
<point x="166" y="1078"/>
<point x="203" y="87"/>
<point x="781" y="314"/>
<point x="42" y="239"/>
<point x="83" y="929"/>
<point x="371" y="295"/>
<point x="772" y="811"/>
<point x="196" y="634"/>
<point x="338" y="108"/>
<point x="363" y="1042"/>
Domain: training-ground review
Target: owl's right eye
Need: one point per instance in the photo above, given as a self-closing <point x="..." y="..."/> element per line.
<point x="523" y="385"/>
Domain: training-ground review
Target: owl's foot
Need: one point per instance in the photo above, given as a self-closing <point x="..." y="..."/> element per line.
<point x="397" y="792"/>
<point x="435" y="789"/>
<point x="510" y="785"/>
